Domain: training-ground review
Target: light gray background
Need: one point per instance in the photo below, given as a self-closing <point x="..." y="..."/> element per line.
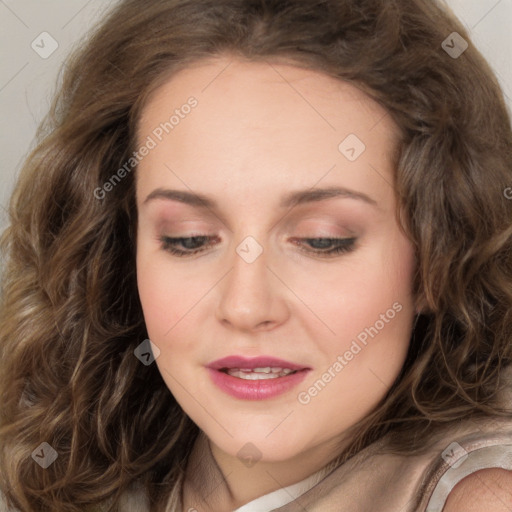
<point x="27" y="81"/>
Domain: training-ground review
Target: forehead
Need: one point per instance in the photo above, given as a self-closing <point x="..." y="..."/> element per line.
<point x="239" y="86"/>
<point x="264" y="124"/>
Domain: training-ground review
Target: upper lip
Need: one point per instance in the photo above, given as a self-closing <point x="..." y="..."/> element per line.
<point x="254" y="362"/>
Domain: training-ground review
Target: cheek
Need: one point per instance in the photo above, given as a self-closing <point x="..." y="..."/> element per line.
<point x="171" y="298"/>
<point x="161" y="294"/>
<point x="370" y="285"/>
<point x="370" y="307"/>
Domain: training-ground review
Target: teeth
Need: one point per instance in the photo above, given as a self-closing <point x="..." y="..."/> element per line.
<point x="259" y="373"/>
<point x="251" y="375"/>
<point x="262" y="370"/>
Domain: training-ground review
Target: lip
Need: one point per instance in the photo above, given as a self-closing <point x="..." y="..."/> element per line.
<point x="254" y="362"/>
<point x="255" y="389"/>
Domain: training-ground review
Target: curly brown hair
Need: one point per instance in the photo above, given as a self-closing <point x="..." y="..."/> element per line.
<point x="70" y="313"/>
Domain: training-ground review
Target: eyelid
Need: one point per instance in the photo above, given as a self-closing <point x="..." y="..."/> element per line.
<point x="342" y="245"/>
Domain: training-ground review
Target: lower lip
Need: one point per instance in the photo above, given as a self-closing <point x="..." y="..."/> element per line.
<point x="255" y="389"/>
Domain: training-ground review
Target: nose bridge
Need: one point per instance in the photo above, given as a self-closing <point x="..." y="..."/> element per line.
<point x="248" y="282"/>
<point x="249" y="297"/>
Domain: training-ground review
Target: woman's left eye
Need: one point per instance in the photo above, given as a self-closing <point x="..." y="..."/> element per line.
<point x="195" y="244"/>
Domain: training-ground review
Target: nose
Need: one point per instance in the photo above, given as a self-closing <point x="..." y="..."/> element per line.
<point x="252" y="298"/>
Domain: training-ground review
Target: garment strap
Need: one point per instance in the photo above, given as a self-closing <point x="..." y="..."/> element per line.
<point x="463" y="457"/>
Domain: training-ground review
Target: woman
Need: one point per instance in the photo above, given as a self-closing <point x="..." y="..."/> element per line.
<point x="262" y="260"/>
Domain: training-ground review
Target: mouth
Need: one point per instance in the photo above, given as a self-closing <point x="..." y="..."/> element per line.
<point x="256" y="379"/>
<point x="255" y="363"/>
<point x="258" y="373"/>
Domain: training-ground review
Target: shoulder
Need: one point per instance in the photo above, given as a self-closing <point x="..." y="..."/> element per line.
<point x="482" y="491"/>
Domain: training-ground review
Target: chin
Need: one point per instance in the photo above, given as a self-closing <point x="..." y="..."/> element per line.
<point x="258" y="444"/>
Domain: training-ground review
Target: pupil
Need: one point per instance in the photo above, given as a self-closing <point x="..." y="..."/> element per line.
<point x="321" y="243"/>
<point x="193" y="242"/>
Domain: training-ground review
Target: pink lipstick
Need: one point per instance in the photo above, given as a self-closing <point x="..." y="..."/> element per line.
<point x="257" y="378"/>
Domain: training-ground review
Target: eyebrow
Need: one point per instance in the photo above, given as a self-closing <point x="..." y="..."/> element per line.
<point x="290" y="200"/>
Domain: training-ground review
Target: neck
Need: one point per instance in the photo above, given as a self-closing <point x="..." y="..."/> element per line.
<point x="230" y="483"/>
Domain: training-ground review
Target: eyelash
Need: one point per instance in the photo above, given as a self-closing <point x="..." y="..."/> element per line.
<point x="344" y="245"/>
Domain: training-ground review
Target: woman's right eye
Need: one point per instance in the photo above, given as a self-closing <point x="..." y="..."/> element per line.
<point x="191" y="244"/>
<point x="329" y="247"/>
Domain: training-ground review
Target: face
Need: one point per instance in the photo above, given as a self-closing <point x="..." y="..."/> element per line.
<point x="292" y="259"/>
